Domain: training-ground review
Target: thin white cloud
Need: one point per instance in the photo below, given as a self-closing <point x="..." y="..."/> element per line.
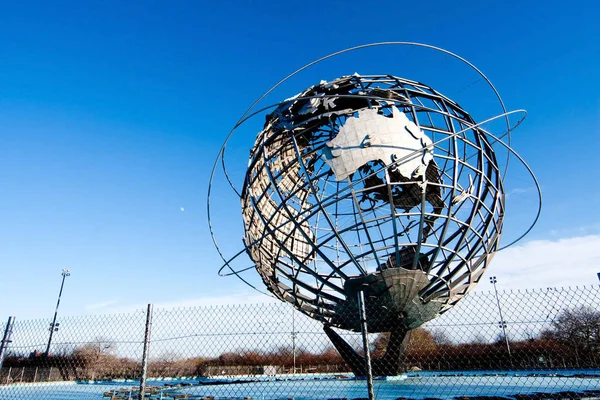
<point x="587" y="230"/>
<point x="235" y="298"/>
<point x="101" y="305"/>
<point x="535" y="264"/>
<point x="208" y="301"/>
<point x="562" y="262"/>
<point x="517" y="191"/>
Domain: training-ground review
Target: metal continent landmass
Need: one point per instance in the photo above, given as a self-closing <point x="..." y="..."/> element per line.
<point x="372" y="136"/>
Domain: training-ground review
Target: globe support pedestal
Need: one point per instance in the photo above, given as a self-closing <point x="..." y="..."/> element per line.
<point x="389" y="364"/>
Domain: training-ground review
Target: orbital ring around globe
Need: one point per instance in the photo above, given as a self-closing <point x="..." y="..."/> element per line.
<point x="349" y="185"/>
<point x="496" y="140"/>
<point x="221" y="153"/>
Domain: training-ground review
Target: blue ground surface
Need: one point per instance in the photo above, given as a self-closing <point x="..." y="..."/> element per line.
<point x="418" y="385"/>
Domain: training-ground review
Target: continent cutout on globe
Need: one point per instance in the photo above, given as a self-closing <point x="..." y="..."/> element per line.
<point x="371" y="136"/>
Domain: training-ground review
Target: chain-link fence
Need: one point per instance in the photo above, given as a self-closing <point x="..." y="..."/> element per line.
<point x="519" y="344"/>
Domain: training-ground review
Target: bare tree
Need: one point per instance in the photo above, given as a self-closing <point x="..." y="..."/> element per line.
<point x="478" y="338"/>
<point x="578" y="328"/>
<point x="96" y="356"/>
<point x="440" y="336"/>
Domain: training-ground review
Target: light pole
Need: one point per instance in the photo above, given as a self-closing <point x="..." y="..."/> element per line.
<point x="54" y="326"/>
<point x="502" y="323"/>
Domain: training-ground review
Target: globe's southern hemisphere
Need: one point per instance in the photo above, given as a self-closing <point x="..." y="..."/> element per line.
<point x="371" y="183"/>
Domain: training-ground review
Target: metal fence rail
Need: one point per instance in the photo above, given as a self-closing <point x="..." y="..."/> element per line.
<point x="520" y="343"/>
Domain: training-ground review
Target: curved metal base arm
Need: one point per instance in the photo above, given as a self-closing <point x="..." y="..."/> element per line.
<point x="389" y="364"/>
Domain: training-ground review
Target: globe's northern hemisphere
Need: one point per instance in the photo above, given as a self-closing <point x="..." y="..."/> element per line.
<point x="371" y="183"/>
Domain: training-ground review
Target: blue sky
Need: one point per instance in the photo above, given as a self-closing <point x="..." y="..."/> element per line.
<point x="111" y="114"/>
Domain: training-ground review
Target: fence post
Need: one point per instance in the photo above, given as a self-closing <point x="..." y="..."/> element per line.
<point x="6" y="339"/>
<point x="365" y="340"/>
<point x="145" y="354"/>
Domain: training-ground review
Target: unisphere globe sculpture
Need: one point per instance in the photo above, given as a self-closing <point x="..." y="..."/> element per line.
<point x="377" y="184"/>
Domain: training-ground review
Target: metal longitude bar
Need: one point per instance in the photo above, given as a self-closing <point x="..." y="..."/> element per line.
<point x="366" y="229"/>
<point x="320" y="205"/>
<point x="454" y="152"/>
<point x="145" y="354"/>
<point x="283" y="205"/>
<point x="292" y="256"/>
